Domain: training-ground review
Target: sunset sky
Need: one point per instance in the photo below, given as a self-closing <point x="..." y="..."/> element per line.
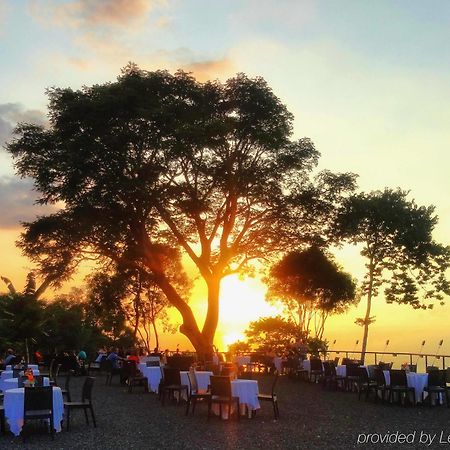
<point x="367" y="81"/>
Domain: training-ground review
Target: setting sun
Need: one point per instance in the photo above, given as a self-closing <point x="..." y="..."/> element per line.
<point x="241" y="301"/>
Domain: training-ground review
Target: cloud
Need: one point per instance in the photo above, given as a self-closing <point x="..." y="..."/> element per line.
<point x="10" y="115"/>
<point x="212" y="69"/>
<point x="17" y="202"/>
<point x="91" y="14"/>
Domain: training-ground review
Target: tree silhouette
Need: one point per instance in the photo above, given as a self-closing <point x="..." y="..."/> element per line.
<point x="157" y="161"/>
<point x="311" y="287"/>
<point x="396" y="235"/>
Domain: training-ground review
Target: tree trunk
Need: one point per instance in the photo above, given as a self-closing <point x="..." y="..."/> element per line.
<point x="367" y="316"/>
<point x="155" y="331"/>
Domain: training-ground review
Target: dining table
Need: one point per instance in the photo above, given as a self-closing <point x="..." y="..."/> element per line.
<point x="13" y="383"/>
<point x="13" y="404"/>
<point x="7" y="374"/>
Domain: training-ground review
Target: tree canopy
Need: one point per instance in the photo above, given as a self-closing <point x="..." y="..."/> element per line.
<point x="311" y="286"/>
<point x="157" y="164"/>
<point x="396" y="238"/>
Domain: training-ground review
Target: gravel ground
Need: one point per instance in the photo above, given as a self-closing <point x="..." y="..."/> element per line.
<point x="310" y="418"/>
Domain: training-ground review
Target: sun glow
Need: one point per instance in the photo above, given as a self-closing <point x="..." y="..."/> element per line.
<point x="241" y="301"/>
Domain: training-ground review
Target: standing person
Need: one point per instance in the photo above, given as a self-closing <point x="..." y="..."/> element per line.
<point x="82" y="358"/>
<point x="101" y="355"/>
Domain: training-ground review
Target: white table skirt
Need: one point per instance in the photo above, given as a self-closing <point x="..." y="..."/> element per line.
<point x="247" y="391"/>
<point x="13" y="403"/>
<point x="153" y="375"/>
<point x="12" y="383"/>
<point x="30" y="366"/>
<point x="7" y="374"/>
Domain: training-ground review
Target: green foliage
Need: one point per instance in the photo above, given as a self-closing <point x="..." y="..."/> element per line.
<point x="239" y="347"/>
<point x="270" y="334"/>
<point x="317" y="346"/>
<point x="397" y="241"/>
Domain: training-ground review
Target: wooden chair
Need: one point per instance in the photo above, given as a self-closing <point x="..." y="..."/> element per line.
<point x="85" y="404"/>
<point x="38" y="405"/>
<point x="172" y="384"/>
<point x="194" y="393"/>
<point x="133" y="376"/>
<point x="399" y="385"/>
<point x="222" y="395"/>
<point x="437" y="384"/>
<point x="272" y="397"/>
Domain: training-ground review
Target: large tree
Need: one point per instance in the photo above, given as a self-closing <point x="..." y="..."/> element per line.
<point x="311" y="287"/>
<point x="397" y="242"/>
<point x="156" y="161"/>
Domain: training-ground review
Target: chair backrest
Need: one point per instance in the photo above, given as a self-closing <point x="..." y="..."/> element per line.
<point x="352" y="370"/>
<point x="129" y="369"/>
<point x="379" y="377"/>
<point x="21" y="381"/>
<point x="246" y="375"/>
<point x="39" y="380"/>
<point x="336" y="360"/>
<point x="50" y="368"/>
<point x="67" y="382"/>
<point x="105" y="365"/>
<point x="316" y="364"/>
<point x="220" y="386"/>
<point x="413" y="368"/>
<point x="211" y="367"/>
<point x="437" y="378"/>
<point x="227" y="371"/>
<point x="171" y="376"/>
<point x="86" y="392"/>
<point x="153" y="363"/>
<point x="371" y="370"/>
<point x="180" y="362"/>
<point x="362" y="373"/>
<point x="385" y="365"/>
<point x="398" y="378"/>
<point x="16" y="373"/>
<point x="193" y="380"/>
<point x="431" y="368"/>
<point x="38" y="398"/>
<point x="327" y="369"/>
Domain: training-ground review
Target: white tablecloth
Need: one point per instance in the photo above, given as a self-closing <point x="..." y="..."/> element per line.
<point x="12" y="383"/>
<point x="278" y="363"/>
<point x="202" y="379"/>
<point x="30" y="366"/>
<point x="13" y="403"/>
<point x="242" y="360"/>
<point x="7" y="374"/>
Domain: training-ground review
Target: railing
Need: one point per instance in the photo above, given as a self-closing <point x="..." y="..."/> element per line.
<point x="411" y="358"/>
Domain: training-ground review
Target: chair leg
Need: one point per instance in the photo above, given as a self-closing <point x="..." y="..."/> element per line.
<point x="209" y="408"/>
<point x="194" y="403"/>
<point x="52" y="427"/>
<point x="188" y="403"/>
<point x="86" y="416"/>
<point x="238" y="411"/>
<point x="68" y="419"/>
<point x="93" y="416"/>
<point x="274" y="409"/>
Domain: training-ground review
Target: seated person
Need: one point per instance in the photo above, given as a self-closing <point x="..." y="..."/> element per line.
<point x="101" y="355"/>
<point x="10" y="357"/>
<point x="133" y="356"/>
<point x="114" y="358"/>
